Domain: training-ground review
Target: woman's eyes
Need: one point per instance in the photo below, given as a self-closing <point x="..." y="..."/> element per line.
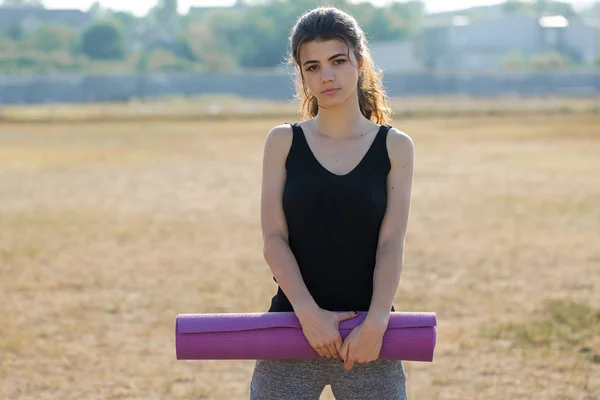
<point x="335" y="62"/>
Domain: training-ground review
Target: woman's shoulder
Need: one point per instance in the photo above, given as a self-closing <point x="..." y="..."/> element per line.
<point x="399" y="144"/>
<point x="280" y="132"/>
<point x="279" y="139"/>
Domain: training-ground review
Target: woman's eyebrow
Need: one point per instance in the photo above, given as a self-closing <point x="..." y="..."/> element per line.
<point x="330" y="58"/>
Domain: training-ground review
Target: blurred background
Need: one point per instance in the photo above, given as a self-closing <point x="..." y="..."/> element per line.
<point x="131" y="139"/>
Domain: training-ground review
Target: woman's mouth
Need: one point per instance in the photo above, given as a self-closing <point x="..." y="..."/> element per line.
<point x="331" y="91"/>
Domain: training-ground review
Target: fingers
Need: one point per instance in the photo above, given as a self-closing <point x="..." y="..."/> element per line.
<point x="348" y="364"/>
<point x="327" y="351"/>
<point x="344" y="351"/>
<point x="338" y="347"/>
<point x="332" y="349"/>
<point x="323" y="339"/>
<point x="321" y="351"/>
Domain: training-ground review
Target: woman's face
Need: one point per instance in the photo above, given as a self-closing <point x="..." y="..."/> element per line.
<point x="329" y="73"/>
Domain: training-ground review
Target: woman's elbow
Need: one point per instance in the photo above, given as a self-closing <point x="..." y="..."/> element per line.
<point x="394" y="243"/>
<point x="272" y="243"/>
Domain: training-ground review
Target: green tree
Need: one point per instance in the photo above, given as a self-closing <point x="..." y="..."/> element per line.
<point x="224" y="26"/>
<point x="411" y="14"/>
<point x="7" y="46"/>
<point x="125" y="18"/>
<point x="383" y="26"/>
<point x="182" y="48"/>
<point x="165" y="11"/>
<point x="258" y="28"/>
<point x="163" y="60"/>
<point x="96" y="9"/>
<point x="206" y="49"/>
<point x="51" y="38"/>
<point x="15" y="31"/>
<point x="104" y="40"/>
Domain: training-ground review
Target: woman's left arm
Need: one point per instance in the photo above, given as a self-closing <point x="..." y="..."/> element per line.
<point x="364" y="343"/>
<point x="390" y="251"/>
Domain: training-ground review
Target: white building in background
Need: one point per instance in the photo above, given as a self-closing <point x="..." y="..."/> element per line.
<point x="395" y="56"/>
<point x="483" y="44"/>
<point x="483" y="38"/>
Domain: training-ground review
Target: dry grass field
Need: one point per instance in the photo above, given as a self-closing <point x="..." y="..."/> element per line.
<point x="108" y="230"/>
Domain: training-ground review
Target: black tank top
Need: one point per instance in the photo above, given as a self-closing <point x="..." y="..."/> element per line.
<point x="333" y="224"/>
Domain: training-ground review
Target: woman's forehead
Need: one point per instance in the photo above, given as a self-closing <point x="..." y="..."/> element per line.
<point x="321" y="50"/>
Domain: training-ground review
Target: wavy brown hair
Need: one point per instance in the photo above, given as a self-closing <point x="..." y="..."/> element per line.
<point x="326" y="23"/>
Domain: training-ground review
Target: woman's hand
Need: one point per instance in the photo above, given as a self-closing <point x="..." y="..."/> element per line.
<point x="321" y="329"/>
<point x="362" y="345"/>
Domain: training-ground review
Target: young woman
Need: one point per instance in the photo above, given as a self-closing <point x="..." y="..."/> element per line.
<point x="335" y="203"/>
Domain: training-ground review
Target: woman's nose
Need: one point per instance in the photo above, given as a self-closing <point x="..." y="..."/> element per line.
<point x="327" y="75"/>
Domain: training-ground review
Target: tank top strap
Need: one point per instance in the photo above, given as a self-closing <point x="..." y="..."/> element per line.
<point x="299" y="148"/>
<point x="380" y="145"/>
<point x="386" y="128"/>
<point x="383" y="132"/>
<point x="296" y="130"/>
<point x="380" y="152"/>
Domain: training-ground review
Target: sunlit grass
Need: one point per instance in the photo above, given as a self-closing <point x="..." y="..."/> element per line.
<point x="560" y="325"/>
<point x="109" y="230"/>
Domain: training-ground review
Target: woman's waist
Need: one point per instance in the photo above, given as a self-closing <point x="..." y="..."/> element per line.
<point x="351" y="299"/>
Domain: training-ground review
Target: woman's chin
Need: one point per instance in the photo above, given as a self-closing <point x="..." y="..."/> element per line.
<point x="331" y="101"/>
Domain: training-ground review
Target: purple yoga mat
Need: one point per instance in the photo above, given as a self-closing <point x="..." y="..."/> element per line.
<point x="410" y="336"/>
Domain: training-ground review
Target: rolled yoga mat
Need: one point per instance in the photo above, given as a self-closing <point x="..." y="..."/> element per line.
<point x="410" y="336"/>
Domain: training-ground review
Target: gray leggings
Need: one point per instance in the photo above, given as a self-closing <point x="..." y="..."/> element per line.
<point x="306" y="379"/>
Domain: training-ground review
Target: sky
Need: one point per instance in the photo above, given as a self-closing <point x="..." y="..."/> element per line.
<point x="140" y="7"/>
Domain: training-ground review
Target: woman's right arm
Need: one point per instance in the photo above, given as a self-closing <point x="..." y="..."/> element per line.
<point x="321" y="327"/>
<point x="276" y="249"/>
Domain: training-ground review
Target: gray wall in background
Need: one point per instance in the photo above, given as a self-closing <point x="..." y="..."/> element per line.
<point x="279" y="86"/>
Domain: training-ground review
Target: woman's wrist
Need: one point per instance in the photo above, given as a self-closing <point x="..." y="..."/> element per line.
<point x="377" y="321"/>
<point x="306" y="307"/>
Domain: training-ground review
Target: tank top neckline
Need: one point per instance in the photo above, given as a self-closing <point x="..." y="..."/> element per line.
<point x="326" y="170"/>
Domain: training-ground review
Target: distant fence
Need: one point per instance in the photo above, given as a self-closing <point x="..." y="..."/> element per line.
<point x="20" y="89"/>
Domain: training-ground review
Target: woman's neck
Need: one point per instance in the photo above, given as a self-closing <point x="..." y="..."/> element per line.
<point x="342" y="122"/>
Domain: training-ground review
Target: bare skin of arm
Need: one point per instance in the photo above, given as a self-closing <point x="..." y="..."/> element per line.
<point x="363" y="345"/>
